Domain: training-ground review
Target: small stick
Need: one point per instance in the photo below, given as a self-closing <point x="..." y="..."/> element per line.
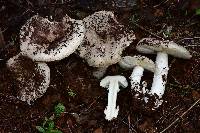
<point x="160" y="4"/>
<point x="129" y="124"/>
<point x="188" y="38"/>
<point x="2" y="42"/>
<point x="180" y="117"/>
<point x="142" y="28"/>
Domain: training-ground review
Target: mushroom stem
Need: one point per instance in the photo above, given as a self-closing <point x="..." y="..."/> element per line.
<point x="136" y="78"/>
<point x="113" y="83"/>
<point x="144" y="86"/>
<point x="111" y="110"/>
<point x="160" y="75"/>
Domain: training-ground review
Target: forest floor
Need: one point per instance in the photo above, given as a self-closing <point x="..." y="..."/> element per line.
<point x="73" y="85"/>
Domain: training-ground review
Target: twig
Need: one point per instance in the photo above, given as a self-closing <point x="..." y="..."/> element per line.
<point x="193" y="46"/>
<point x="87" y="109"/>
<point x="180" y="86"/>
<point x="129" y="123"/>
<point x="131" y="128"/>
<point x="142" y="28"/>
<point x="188" y="38"/>
<point x="180" y="117"/>
<point x="70" y="130"/>
<point x="163" y="2"/>
<point x="2" y="42"/>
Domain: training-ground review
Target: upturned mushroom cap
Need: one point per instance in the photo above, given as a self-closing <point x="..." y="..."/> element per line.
<point x="108" y="79"/>
<point x="43" y="40"/>
<point x="152" y="45"/>
<point x="129" y="62"/>
<point x="32" y="79"/>
<point x="105" y="39"/>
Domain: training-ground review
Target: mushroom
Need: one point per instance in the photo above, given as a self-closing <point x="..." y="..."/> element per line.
<point x="162" y="48"/>
<point x="32" y="78"/>
<point x="105" y="39"/>
<point x="113" y="83"/>
<point x="138" y="63"/>
<point x="45" y="41"/>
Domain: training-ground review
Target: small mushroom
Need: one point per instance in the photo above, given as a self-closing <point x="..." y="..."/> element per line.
<point x="45" y="41"/>
<point x="138" y="63"/>
<point x="105" y="39"/>
<point x="113" y="83"/>
<point x="32" y="78"/>
<point x="162" y="48"/>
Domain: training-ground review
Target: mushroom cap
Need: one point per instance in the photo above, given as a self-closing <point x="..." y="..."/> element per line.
<point x="152" y="45"/>
<point x="129" y="62"/>
<point x="32" y="78"/>
<point x="105" y="39"/>
<point x="117" y="78"/>
<point x="43" y="40"/>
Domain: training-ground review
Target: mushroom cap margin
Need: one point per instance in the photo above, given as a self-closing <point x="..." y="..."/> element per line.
<point x="129" y="62"/>
<point x="152" y="45"/>
<point x="120" y="79"/>
<point x="65" y="47"/>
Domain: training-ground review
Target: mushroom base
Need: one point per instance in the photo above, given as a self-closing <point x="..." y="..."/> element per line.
<point x="160" y="75"/>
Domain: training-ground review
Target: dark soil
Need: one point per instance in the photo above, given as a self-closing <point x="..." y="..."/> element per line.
<point x="84" y="111"/>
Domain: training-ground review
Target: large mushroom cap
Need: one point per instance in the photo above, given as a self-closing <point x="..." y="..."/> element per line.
<point x="129" y="62"/>
<point x="152" y="45"/>
<point x="32" y="78"/>
<point x="105" y="39"/>
<point x="43" y="40"/>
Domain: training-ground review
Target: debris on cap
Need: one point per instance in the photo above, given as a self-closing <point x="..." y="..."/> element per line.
<point x="129" y="62"/>
<point x="153" y="45"/>
<point x="105" y="39"/>
<point x="32" y="79"/>
<point x="43" y="40"/>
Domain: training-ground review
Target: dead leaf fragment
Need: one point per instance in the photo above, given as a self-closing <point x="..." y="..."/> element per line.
<point x="98" y="130"/>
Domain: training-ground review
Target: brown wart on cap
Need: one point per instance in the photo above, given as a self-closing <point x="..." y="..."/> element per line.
<point x="138" y="63"/>
<point x="43" y="40"/>
<point x="32" y="78"/>
<point x="162" y="48"/>
<point x="105" y="39"/>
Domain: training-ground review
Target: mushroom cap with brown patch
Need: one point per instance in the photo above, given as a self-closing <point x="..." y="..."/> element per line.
<point x="152" y="45"/>
<point x="43" y="40"/>
<point x="105" y="39"/>
<point x="32" y="79"/>
<point x="129" y="62"/>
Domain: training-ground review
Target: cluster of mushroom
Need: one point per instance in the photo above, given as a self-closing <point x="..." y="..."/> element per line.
<point x="98" y="38"/>
<point x="139" y="63"/>
<point x="42" y="41"/>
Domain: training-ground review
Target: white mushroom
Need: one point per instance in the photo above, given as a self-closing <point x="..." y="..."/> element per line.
<point x="32" y="79"/>
<point x="43" y="40"/>
<point x="138" y="64"/>
<point x="105" y="39"/>
<point x="113" y="83"/>
<point x="162" y="49"/>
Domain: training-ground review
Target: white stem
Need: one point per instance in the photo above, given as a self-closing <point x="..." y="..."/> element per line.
<point x="111" y="111"/>
<point x="144" y="87"/>
<point x="160" y="75"/>
<point x="136" y="78"/>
